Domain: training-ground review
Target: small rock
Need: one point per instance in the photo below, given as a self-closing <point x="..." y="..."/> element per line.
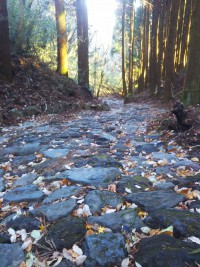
<point x="26" y="179"/>
<point x="56" y="153"/>
<point x="11" y="255"/>
<point x="154" y="200"/>
<point x="23" y="222"/>
<point x="55" y="211"/>
<point x="64" y="192"/>
<point x="118" y="221"/>
<point x="104" y="250"/>
<point x="164" y="250"/>
<point x="66" y="232"/>
<point x="97" y="199"/>
<point x="185" y="223"/>
<point x="26" y="193"/>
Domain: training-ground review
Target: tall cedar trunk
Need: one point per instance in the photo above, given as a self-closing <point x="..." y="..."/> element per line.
<point x="162" y="9"/>
<point x="141" y="74"/>
<point x="186" y="26"/>
<point x="170" y="49"/>
<point x="146" y="46"/>
<point x="123" y="50"/>
<point x="153" y="60"/>
<point x="166" y="32"/>
<point x="131" y="44"/>
<point x="179" y="35"/>
<point x="192" y="81"/>
<point x="83" y="43"/>
<point x="5" y="56"/>
<point x="62" y="59"/>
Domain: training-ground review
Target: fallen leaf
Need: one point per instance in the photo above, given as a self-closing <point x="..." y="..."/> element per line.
<point x="112" y="188"/>
<point x="77" y="250"/>
<point x="125" y="262"/>
<point x="101" y="229"/>
<point x="90" y="232"/>
<point x="66" y="254"/>
<point x="194" y="239"/>
<point x="80" y="259"/>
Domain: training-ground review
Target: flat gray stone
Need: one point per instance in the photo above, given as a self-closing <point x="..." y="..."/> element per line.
<point x="164" y="250"/>
<point x="64" y="192"/>
<point x="164" y="185"/>
<point x="97" y="199"/>
<point x="56" y="153"/>
<point x="26" y="193"/>
<point x="162" y="155"/>
<point x="11" y="255"/>
<point x="55" y="211"/>
<point x="132" y="183"/>
<point x="26" y="179"/>
<point x="185" y="223"/>
<point x="24" y="222"/>
<point x="2" y="184"/>
<point x="65" y="232"/>
<point x="104" y="250"/>
<point x="91" y="176"/>
<point x="117" y="221"/>
<point x="22" y="150"/>
<point x="150" y="201"/>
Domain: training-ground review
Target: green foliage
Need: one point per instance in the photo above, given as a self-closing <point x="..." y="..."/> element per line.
<point x="32" y="28"/>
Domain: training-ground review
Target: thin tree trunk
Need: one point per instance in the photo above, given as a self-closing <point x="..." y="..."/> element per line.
<point x="131" y="44"/>
<point x="186" y="26"/>
<point x="170" y="49"/>
<point x="5" y="55"/>
<point x="123" y="50"/>
<point x="153" y="61"/>
<point x="62" y="58"/>
<point x="192" y="81"/>
<point x="83" y="43"/>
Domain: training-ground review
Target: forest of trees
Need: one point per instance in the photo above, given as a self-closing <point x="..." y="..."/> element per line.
<point x="157" y="44"/>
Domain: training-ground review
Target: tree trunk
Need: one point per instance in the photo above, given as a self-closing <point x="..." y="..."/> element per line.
<point x="5" y="56"/>
<point x="160" y="46"/>
<point x="191" y="93"/>
<point x="153" y="60"/>
<point x="184" y="41"/>
<point x="131" y="44"/>
<point x="62" y="59"/>
<point x="170" y="49"/>
<point x="123" y="50"/>
<point x="83" y="43"/>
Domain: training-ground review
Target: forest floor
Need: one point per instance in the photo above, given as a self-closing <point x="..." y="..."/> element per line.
<point x="92" y="187"/>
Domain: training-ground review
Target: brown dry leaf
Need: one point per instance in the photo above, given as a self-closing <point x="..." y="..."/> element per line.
<point x="65" y="182"/>
<point x="142" y="214"/>
<point x="90" y="232"/>
<point x="22" y="264"/>
<point x="88" y="226"/>
<point x="112" y="188"/>
<point x="154" y="232"/>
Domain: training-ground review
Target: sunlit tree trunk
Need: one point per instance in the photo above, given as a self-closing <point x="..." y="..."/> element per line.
<point x="185" y="32"/>
<point x="179" y="35"/>
<point x="123" y="49"/>
<point x="170" y="50"/>
<point x="5" y="56"/>
<point x="146" y="45"/>
<point x="62" y="58"/>
<point x="153" y="56"/>
<point x="192" y="82"/>
<point x="162" y="10"/>
<point x="131" y="44"/>
<point x="83" y="43"/>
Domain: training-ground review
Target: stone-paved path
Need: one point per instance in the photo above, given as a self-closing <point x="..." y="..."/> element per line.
<point x="100" y="182"/>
